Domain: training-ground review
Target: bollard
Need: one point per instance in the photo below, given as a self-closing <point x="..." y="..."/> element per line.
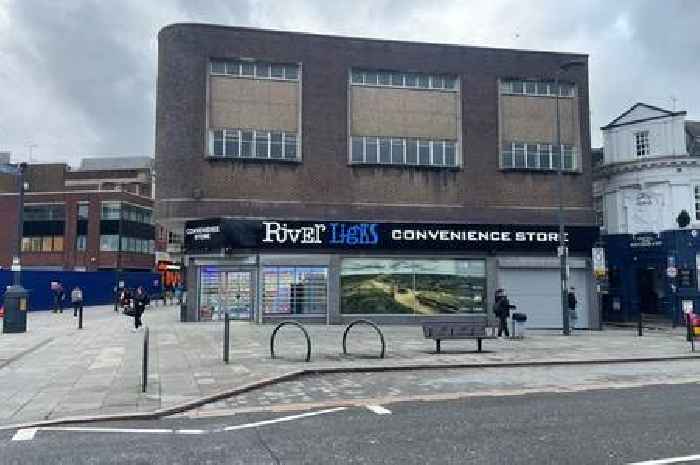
<point x="227" y="323"/>
<point x="639" y="324"/>
<point x="80" y="317"/>
<point x="144" y="374"/>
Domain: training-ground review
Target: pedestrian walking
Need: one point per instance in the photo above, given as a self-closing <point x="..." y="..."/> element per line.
<point x="125" y="299"/>
<point x="58" y="296"/>
<point x="178" y="293"/>
<point x="501" y="308"/>
<point x="76" y="298"/>
<point x="140" y="302"/>
<point x="572" y="303"/>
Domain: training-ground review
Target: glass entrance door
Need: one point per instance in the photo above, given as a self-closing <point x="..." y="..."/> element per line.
<point x="225" y="290"/>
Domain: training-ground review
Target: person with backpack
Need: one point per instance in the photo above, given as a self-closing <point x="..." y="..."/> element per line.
<point x="76" y="298"/>
<point x="501" y="308"/>
<point x="140" y="302"/>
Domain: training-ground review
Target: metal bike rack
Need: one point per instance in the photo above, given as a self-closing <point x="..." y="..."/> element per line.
<point x="292" y="323"/>
<point x="369" y="323"/>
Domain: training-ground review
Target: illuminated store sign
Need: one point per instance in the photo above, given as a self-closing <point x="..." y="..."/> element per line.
<point x="231" y="234"/>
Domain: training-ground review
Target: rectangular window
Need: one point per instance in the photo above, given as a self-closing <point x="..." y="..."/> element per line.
<point x="556" y="157"/>
<point x="641" y="142"/>
<point x="47" y="244"/>
<point x="537" y="88"/>
<point x="397" y="79"/>
<point x="275" y="144"/>
<point x="357" y="77"/>
<point x="246" y="143"/>
<point x="450" y="155"/>
<point x="262" y="70"/>
<point x="437" y="82"/>
<point x="519" y="155"/>
<point x="110" y="211"/>
<point x="27" y="243"/>
<point x="290" y="146"/>
<point x="371" y="78"/>
<point x="233" y="68"/>
<point x="424" y="152"/>
<point x="371" y="150"/>
<point x="384" y="150"/>
<point x="81" y="243"/>
<point x="36" y="244"/>
<point x="569" y="157"/>
<point x="218" y="67"/>
<point x="291" y="72"/>
<point x="83" y="210"/>
<point x="697" y="205"/>
<point x="424" y="81"/>
<point x="232" y="140"/>
<point x="397" y="155"/>
<point x="532" y="156"/>
<point x="411" y="80"/>
<point x="438" y="153"/>
<point x="507" y="156"/>
<point x="53" y="212"/>
<point x="357" y="149"/>
<point x="545" y="156"/>
<point x="262" y="144"/>
<point x="411" y="151"/>
<point x="450" y="83"/>
<point x="58" y="243"/>
<point x="422" y="287"/>
<point x="300" y="290"/>
<point x="531" y="87"/>
<point x="277" y="71"/>
<point x="218" y="146"/>
<point x="247" y="68"/>
<point x="384" y="78"/>
<point x="109" y="243"/>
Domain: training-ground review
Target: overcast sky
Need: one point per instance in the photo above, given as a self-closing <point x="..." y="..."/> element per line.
<point x="77" y="77"/>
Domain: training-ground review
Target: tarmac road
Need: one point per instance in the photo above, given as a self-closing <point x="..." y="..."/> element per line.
<point x="613" y="426"/>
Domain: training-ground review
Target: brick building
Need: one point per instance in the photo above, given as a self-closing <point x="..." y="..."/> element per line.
<point x="323" y="178"/>
<point x="74" y="218"/>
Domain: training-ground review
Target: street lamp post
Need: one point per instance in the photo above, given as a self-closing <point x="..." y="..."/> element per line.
<point x="563" y="257"/>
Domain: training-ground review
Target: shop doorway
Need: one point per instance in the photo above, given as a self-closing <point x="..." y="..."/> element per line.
<point x="226" y="290"/>
<point x="650" y="288"/>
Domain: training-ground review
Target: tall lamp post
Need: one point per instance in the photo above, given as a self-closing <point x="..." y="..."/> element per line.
<point x="560" y="194"/>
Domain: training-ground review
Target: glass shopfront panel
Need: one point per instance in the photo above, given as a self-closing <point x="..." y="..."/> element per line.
<point x="225" y="290"/>
<point x="295" y="290"/>
<point x="415" y="287"/>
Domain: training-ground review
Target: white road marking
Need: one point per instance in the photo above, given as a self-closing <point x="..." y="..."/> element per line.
<point x="82" y="429"/>
<point x="26" y="434"/>
<point x="190" y="431"/>
<point x="378" y="409"/>
<point x="687" y="458"/>
<point x="282" y="419"/>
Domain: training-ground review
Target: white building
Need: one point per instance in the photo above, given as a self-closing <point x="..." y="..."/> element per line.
<point x="650" y="171"/>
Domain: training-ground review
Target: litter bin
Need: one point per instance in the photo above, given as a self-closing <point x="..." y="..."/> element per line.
<point x="519" y="323"/>
<point x="16" y="306"/>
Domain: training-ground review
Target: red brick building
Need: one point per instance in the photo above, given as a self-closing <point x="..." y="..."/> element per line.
<point x="96" y="217"/>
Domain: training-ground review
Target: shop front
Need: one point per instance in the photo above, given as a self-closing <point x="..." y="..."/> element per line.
<point x="334" y="272"/>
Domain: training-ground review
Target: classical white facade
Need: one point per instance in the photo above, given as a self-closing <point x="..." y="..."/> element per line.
<point x="650" y="171"/>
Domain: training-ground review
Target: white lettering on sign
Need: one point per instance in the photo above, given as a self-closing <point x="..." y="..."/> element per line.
<point x="202" y="233"/>
<point x="449" y="235"/>
<point x="280" y="233"/>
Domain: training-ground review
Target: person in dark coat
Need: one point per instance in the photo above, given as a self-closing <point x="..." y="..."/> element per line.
<point x="76" y="297"/>
<point x="501" y="308"/>
<point x="572" y="303"/>
<point x="140" y="302"/>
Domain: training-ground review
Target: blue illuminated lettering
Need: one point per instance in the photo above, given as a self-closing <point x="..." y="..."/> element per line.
<point x="354" y="234"/>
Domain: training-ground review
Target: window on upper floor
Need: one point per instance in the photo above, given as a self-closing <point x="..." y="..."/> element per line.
<point x="538" y="157"/>
<point x="259" y="144"/>
<point x="254" y="69"/>
<point x="55" y="212"/>
<point x="409" y="80"/>
<point x="537" y="88"/>
<point x="406" y="151"/>
<point x="641" y="143"/>
<point x="696" y="192"/>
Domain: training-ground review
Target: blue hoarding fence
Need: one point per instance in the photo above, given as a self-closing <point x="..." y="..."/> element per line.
<point x="97" y="286"/>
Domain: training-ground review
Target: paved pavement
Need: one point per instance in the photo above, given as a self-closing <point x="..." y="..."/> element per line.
<point x="597" y="427"/>
<point x="56" y="371"/>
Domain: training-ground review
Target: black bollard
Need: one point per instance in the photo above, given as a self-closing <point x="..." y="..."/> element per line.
<point x="144" y="366"/>
<point x="639" y="325"/>
<point x="226" y="336"/>
<point x="80" y="317"/>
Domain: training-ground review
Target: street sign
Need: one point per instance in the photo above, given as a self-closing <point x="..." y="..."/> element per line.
<point x="599" y="268"/>
<point x="671" y="271"/>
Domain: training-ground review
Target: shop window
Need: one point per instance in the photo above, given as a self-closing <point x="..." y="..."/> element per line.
<point x="295" y="290"/>
<point x="225" y="290"/>
<point x="416" y="287"/>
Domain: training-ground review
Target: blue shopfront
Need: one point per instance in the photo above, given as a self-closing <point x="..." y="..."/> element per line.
<point x="655" y="274"/>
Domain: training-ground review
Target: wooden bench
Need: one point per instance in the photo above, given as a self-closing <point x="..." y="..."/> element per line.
<point x="472" y="327"/>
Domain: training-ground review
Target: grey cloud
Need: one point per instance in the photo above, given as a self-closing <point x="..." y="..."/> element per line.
<point x="78" y="77"/>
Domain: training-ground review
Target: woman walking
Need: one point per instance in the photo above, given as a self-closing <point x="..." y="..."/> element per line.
<point x="140" y="302"/>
